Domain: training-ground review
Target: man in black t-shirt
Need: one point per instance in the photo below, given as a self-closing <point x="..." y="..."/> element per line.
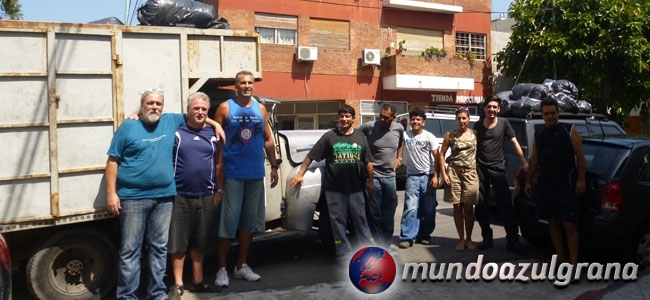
<point x="492" y="132"/>
<point x="558" y="155"/>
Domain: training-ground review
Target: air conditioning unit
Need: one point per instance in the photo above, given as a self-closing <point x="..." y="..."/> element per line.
<point x="371" y="57"/>
<point x="307" y="53"/>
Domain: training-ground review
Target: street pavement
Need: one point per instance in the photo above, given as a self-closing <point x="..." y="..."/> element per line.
<point x="338" y="285"/>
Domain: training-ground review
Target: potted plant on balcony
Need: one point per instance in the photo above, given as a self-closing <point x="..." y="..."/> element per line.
<point x="471" y="58"/>
<point x="442" y="52"/>
<point x="431" y="52"/>
<point x="400" y="46"/>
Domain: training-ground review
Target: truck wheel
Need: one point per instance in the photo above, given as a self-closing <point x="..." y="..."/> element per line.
<point x="73" y="264"/>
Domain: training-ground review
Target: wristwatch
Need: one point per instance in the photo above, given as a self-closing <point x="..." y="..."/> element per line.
<point x="220" y="191"/>
<point x="274" y="166"/>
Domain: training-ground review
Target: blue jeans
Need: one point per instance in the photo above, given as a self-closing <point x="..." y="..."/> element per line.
<point x="136" y="217"/>
<point x="419" y="216"/>
<point x="381" y="210"/>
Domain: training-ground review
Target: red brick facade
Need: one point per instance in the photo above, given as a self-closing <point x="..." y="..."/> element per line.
<point x="339" y="74"/>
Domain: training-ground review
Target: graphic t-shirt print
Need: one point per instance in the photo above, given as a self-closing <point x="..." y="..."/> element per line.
<point x="345" y="153"/>
<point x="247" y="126"/>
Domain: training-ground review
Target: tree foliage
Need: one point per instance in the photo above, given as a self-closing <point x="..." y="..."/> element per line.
<point x="12" y="9"/>
<point x="600" y="45"/>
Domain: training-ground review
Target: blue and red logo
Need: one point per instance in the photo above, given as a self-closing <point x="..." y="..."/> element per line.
<point x="372" y="270"/>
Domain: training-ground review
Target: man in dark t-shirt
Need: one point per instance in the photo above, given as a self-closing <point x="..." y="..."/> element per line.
<point x="347" y="156"/>
<point x="492" y="132"/>
<point x="558" y="155"/>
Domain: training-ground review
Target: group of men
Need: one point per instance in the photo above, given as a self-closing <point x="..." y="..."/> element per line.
<point x="167" y="175"/>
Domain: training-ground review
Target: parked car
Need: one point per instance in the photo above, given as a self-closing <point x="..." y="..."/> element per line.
<point x="614" y="213"/>
<point x="440" y="119"/>
<point x="525" y="129"/>
<point x="5" y="270"/>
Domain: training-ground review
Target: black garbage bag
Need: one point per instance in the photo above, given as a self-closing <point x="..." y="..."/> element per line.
<point x="108" y="21"/>
<point x="583" y="106"/>
<point x="566" y="87"/>
<point x="176" y="12"/>
<point x="531" y="90"/>
<point x="566" y="103"/>
<point x="220" y="23"/>
<point x="525" y="106"/>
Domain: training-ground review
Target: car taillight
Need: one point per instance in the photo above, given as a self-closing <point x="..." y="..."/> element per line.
<point x="611" y="197"/>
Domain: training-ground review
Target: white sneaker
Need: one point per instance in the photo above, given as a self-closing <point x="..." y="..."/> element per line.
<point x="222" y="278"/>
<point x="246" y="273"/>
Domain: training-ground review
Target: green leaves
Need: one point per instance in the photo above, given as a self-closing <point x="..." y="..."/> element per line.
<point x="601" y="45"/>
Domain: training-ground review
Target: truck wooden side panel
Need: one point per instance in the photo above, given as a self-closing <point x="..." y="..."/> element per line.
<point x="65" y="88"/>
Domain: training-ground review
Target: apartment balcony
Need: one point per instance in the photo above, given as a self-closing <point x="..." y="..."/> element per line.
<point x="424" y="6"/>
<point x="443" y="74"/>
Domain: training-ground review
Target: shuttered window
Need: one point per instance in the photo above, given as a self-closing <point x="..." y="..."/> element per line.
<point x="419" y="39"/>
<point x="329" y="33"/>
<point x="277" y="29"/>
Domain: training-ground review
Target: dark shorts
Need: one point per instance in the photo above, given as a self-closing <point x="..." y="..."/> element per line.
<point x="192" y="225"/>
<point x="557" y="201"/>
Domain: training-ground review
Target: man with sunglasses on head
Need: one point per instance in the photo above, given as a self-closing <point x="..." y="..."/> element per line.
<point x="492" y="132"/>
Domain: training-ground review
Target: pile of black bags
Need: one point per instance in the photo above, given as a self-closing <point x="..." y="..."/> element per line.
<point x="525" y="98"/>
<point x="180" y="13"/>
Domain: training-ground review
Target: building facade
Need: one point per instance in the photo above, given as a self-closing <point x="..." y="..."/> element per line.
<point x="319" y="54"/>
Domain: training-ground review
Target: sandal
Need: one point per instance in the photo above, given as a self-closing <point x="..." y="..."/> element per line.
<point x="460" y="247"/>
<point x="470" y="246"/>
<point x="204" y="287"/>
<point x="175" y="292"/>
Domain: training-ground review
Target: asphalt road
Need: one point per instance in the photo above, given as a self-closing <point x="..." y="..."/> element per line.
<point x="299" y="268"/>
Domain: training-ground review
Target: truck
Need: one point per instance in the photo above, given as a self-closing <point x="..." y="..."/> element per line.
<point x="64" y="90"/>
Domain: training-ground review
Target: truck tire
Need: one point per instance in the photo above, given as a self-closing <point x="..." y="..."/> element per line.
<point x="73" y="264"/>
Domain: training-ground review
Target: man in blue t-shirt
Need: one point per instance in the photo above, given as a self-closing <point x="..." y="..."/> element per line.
<point x="195" y="155"/>
<point x="140" y="189"/>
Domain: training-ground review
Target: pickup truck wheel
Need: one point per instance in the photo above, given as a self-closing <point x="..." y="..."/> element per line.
<point x="73" y="264"/>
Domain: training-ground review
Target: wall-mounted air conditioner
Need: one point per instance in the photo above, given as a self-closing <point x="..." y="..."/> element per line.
<point x="307" y="53"/>
<point x="371" y="57"/>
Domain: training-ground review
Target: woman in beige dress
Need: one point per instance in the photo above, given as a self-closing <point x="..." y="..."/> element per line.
<point x="460" y="177"/>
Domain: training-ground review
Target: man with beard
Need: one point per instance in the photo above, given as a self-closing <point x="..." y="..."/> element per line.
<point x="492" y="132"/>
<point x="385" y="138"/>
<point x="140" y="190"/>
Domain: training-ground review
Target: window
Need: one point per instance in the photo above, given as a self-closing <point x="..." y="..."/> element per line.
<point x="370" y="108"/>
<point x="644" y="169"/>
<point x="329" y="33"/>
<point x="417" y="40"/>
<point x="471" y="41"/>
<point x="307" y="115"/>
<point x="277" y="29"/>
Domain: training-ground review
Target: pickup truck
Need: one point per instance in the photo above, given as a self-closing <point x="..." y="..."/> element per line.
<point x="64" y="89"/>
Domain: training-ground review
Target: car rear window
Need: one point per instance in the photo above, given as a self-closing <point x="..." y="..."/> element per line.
<point x="604" y="159"/>
<point x="440" y="126"/>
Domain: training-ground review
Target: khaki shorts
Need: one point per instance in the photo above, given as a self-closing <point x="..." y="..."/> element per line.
<point x="463" y="187"/>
